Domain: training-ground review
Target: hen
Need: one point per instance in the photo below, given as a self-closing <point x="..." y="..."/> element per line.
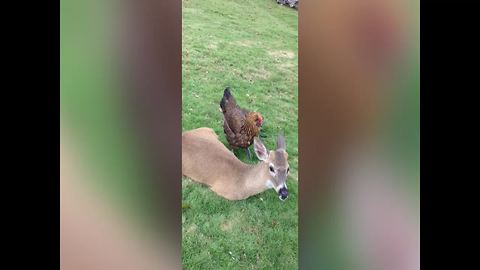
<point x="240" y="125"/>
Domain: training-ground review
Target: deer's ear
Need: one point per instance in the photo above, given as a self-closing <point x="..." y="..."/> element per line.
<point x="260" y="149"/>
<point x="281" y="142"/>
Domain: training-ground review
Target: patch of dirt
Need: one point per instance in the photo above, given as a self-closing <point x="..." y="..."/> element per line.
<point x="245" y="43"/>
<point x="257" y="74"/>
<point x="282" y="54"/>
<point x="191" y="229"/>
<point x="286" y="66"/>
<point x="229" y="224"/>
<point x="212" y="46"/>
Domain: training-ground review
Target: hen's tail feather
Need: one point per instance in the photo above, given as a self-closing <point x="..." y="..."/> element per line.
<point x="226" y="93"/>
<point x="227" y="96"/>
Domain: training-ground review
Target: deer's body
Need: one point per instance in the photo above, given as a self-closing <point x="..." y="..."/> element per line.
<point x="206" y="160"/>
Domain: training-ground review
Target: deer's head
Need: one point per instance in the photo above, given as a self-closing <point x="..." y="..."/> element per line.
<point x="277" y="161"/>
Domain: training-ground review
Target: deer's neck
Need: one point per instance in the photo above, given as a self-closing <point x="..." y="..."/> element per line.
<point x="255" y="179"/>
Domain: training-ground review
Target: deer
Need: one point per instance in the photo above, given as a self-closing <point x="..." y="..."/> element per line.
<point x="206" y="160"/>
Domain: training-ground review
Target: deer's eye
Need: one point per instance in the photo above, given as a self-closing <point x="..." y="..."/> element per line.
<point x="272" y="169"/>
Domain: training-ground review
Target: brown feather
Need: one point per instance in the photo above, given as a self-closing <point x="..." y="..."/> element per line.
<point x="240" y="125"/>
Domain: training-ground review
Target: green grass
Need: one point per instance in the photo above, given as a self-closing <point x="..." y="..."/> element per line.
<point x="250" y="46"/>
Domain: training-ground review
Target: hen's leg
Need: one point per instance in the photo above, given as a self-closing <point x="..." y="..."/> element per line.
<point x="249" y="155"/>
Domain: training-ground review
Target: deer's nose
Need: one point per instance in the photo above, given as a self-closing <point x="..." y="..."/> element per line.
<point x="283" y="193"/>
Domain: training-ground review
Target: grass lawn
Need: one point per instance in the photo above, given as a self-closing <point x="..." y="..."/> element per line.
<point x="250" y="46"/>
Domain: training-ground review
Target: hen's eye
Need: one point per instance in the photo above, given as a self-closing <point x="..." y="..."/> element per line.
<point x="272" y="169"/>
